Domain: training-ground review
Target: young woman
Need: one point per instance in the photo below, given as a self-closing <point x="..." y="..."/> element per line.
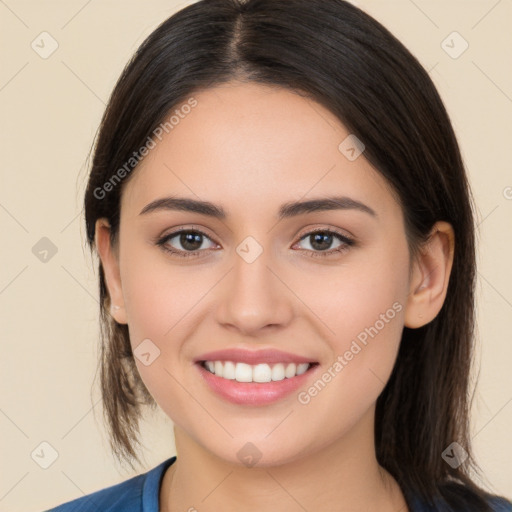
<point x="287" y="268"/>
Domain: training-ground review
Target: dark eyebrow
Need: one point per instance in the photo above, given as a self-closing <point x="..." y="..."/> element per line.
<point x="287" y="210"/>
<point x="328" y="203"/>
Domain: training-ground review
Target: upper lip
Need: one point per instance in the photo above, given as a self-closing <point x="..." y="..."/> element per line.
<point x="253" y="357"/>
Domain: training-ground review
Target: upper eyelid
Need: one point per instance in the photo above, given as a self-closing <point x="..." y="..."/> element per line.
<point x="330" y="230"/>
<point x="303" y="235"/>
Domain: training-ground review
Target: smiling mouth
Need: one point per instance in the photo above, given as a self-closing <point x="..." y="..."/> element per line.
<point x="259" y="373"/>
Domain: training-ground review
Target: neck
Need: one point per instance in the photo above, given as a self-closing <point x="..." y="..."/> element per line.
<point x="344" y="476"/>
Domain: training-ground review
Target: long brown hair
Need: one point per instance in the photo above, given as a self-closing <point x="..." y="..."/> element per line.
<point x="342" y="58"/>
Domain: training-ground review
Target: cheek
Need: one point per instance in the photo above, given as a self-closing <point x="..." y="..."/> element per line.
<point x="159" y="300"/>
<point x="361" y="293"/>
<point x="163" y="306"/>
<point x="365" y="313"/>
<point x="369" y="306"/>
<point x="158" y="295"/>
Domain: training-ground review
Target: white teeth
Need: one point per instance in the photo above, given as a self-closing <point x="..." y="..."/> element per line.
<point x="228" y="372"/>
<point x="278" y="372"/>
<point x="302" y="368"/>
<point x="290" y="370"/>
<point x="262" y="373"/>
<point x="243" y="372"/>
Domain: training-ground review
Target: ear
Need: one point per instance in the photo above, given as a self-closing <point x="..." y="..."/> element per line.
<point x="430" y="276"/>
<point x="110" y="261"/>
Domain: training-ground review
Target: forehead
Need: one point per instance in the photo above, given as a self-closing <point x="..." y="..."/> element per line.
<point x="250" y="146"/>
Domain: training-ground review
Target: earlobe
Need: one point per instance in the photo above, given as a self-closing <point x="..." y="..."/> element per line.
<point x="430" y="277"/>
<point x="109" y="261"/>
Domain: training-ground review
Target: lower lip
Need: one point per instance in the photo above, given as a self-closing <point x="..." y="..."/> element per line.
<point x="254" y="393"/>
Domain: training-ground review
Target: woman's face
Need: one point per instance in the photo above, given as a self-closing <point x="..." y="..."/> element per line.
<point x="257" y="280"/>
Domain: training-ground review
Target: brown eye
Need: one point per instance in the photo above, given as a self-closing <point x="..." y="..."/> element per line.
<point x="190" y="240"/>
<point x="321" y="241"/>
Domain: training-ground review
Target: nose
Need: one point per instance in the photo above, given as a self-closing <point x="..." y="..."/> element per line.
<point x="254" y="297"/>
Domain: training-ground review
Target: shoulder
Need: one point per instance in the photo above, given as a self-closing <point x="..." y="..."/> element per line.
<point x="500" y="504"/>
<point x="126" y="496"/>
<point x="133" y="495"/>
<point x="458" y="498"/>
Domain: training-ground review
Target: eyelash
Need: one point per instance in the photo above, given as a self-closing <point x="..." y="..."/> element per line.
<point x="346" y="243"/>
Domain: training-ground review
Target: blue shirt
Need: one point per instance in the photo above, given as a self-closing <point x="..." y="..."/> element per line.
<point x="141" y="494"/>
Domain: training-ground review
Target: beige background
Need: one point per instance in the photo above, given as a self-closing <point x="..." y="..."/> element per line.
<point x="50" y="109"/>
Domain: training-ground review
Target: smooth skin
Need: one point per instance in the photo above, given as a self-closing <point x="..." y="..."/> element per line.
<point x="250" y="148"/>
